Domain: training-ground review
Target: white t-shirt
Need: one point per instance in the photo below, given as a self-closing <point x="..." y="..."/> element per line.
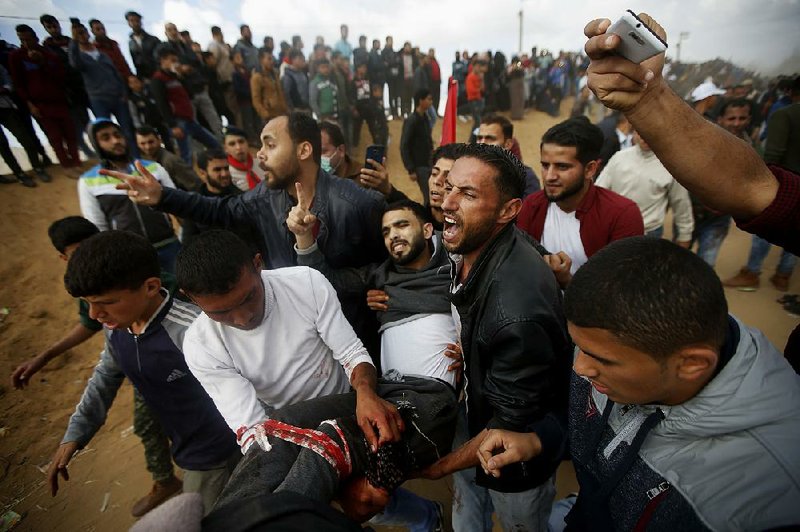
<point x="417" y="346"/>
<point x="562" y="232"/>
<point x="304" y="349"/>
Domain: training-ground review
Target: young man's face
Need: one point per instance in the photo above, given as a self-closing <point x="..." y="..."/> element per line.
<point x="169" y="63"/>
<point x="563" y="174"/>
<point x="82" y="35"/>
<point x="98" y="30"/>
<point x="217" y="173"/>
<point x="171" y="31"/>
<point x="237" y="59"/>
<point x="436" y="182"/>
<point x="624" y="374"/>
<point x="324" y="69"/>
<point x="236" y="146"/>
<point x="735" y="119"/>
<point x="53" y="28"/>
<point x="278" y="156"/>
<point x="404" y="236"/>
<point x="148" y="145"/>
<point x="426" y="103"/>
<point x="119" y="309"/>
<point x="242" y="307"/>
<point x="27" y="39"/>
<point x="493" y="134"/>
<point x="267" y="62"/>
<point x="247" y="35"/>
<point x="471" y="205"/>
<point x="335" y="154"/>
<point x="111" y="141"/>
<point x="135" y="23"/>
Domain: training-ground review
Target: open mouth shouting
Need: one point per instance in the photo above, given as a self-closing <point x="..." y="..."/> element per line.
<point x="398" y="247"/>
<point x="452" y="228"/>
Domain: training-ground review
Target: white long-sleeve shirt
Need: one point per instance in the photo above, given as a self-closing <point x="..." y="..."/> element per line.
<point x="639" y="176"/>
<point x="303" y="349"/>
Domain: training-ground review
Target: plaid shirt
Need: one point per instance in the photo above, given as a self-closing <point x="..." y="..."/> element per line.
<point x="780" y="222"/>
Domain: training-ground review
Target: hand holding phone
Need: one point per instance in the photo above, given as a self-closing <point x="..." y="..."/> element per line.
<point x="376" y="152"/>
<point x="638" y="41"/>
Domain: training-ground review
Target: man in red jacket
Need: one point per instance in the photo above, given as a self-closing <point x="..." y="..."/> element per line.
<point x="571" y="214"/>
<point x="110" y="47"/>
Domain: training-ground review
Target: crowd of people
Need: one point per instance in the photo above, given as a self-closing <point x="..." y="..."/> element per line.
<point x="311" y="334"/>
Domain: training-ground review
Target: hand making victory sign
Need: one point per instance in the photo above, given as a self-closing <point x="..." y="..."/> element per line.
<point x="143" y="189"/>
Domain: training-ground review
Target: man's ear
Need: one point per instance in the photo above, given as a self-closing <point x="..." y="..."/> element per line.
<point x="258" y="263"/>
<point x="509" y="143"/>
<point x="590" y="170"/>
<point x="509" y="211"/>
<point x="427" y="230"/>
<point x="304" y="151"/>
<point x="696" y="363"/>
<point x="152" y="286"/>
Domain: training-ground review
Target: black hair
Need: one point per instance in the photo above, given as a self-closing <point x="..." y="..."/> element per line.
<point x="184" y="33"/>
<point x="334" y="132"/>
<point x="243" y="26"/>
<point x="206" y="156"/>
<point x="165" y="50"/>
<point x="47" y="19"/>
<point x="420" y="95"/>
<point x="303" y="128"/>
<point x="146" y="131"/>
<point x="24" y="28"/>
<point x="233" y="131"/>
<point x="215" y="30"/>
<point x="735" y="102"/>
<point x="70" y="230"/>
<point x="422" y="214"/>
<point x="93" y="21"/>
<point x="211" y="263"/>
<point x="295" y="53"/>
<point x="323" y="61"/>
<point x="129" y="14"/>
<point x="264" y="51"/>
<point x="504" y="123"/>
<point x="580" y="133"/>
<point x="448" y="151"/>
<point x="111" y="260"/>
<point x="651" y="294"/>
<point x="510" y="178"/>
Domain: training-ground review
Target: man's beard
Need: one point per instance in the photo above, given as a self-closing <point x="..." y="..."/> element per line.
<point x="418" y="245"/>
<point x="105" y="155"/>
<point x="282" y="180"/>
<point x="567" y="192"/>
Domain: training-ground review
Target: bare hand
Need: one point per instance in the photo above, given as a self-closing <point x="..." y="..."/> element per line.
<point x="177" y="133"/>
<point x="58" y="466"/>
<point x="23" y="373"/>
<point x="300" y="221"/>
<point x="377" y="299"/>
<point x="513" y="447"/>
<point x="560" y="264"/>
<point x="378" y="419"/>
<point x="617" y="82"/>
<point x="454" y="351"/>
<point x="360" y="500"/>
<point x="143" y="189"/>
<point x="377" y="178"/>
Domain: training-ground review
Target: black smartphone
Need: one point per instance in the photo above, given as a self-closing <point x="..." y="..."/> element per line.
<point x="376" y="152"/>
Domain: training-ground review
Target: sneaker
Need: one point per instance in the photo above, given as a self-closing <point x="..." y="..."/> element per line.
<point x="25" y="180"/>
<point x="160" y="492"/>
<point x="745" y="280"/>
<point x="42" y="175"/>
<point x="780" y="281"/>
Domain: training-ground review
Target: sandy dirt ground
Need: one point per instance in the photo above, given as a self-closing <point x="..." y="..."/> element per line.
<point x="109" y="475"/>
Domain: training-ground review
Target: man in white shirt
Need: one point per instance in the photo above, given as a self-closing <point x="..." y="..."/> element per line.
<point x="637" y="174"/>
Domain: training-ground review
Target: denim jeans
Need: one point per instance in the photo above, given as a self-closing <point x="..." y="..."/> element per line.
<point x="709" y="239"/>
<point x="406" y="509"/>
<point x="191" y="129"/>
<point x="561" y="509"/>
<point x="658" y="232"/>
<point x="473" y="505"/>
<point x="119" y="108"/>
<point x="759" y="251"/>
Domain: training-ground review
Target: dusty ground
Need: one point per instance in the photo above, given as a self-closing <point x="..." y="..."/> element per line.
<point x="32" y="422"/>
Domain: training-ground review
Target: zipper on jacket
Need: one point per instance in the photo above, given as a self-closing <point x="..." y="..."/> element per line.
<point x="138" y="360"/>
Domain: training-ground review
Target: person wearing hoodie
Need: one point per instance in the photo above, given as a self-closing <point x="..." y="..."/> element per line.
<point x="681" y="417"/>
<point x="323" y="93"/>
<point x="108" y="208"/>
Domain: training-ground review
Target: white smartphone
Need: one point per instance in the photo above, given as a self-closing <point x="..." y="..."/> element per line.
<point x="638" y="41"/>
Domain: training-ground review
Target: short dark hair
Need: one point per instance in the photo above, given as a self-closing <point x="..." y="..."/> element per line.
<point x="264" y="51"/>
<point x="215" y="30"/>
<point x="70" y="230"/>
<point x="129" y="14"/>
<point x="93" y="21"/>
<point x="651" y="294"/>
<point x="165" y="50"/>
<point x="334" y="132"/>
<point x="211" y="263"/>
<point x="110" y="260"/>
<point x="422" y="214"/>
<point x="448" y="151"/>
<point x="580" y="133"/>
<point x="24" y="28"/>
<point x="510" y="178"/>
<point x="296" y="53"/>
<point x="303" y="128"/>
<point x="206" y="156"/>
<point x="146" y="131"/>
<point x="47" y="19"/>
<point x="504" y="123"/>
<point x="185" y="33"/>
<point x="233" y="131"/>
<point x="243" y="26"/>
<point x="735" y="102"/>
<point x="323" y="61"/>
<point x="420" y="95"/>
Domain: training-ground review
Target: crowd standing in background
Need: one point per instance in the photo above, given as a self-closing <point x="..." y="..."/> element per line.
<point x="364" y="339"/>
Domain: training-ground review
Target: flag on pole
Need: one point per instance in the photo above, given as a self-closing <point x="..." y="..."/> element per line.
<point x="450" y="113"/>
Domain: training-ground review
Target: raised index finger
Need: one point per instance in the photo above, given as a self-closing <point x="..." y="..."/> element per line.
<point x="302" y="201"/>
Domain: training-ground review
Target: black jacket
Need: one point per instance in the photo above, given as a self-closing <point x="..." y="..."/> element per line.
<point x="517" y="354"/>
<point x="143" y="56"/>
<point x="416" y="144"/>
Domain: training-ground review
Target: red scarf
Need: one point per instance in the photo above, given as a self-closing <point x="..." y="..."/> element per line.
<point x="247" y="167"/>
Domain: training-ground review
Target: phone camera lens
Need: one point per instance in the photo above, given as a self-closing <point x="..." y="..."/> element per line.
<point x="639" y="25"/>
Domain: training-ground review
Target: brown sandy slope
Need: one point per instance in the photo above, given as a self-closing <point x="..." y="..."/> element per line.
<point x="33" y="421"/>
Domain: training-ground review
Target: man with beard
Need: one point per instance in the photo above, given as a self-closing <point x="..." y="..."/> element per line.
<point x="108" y="208"/>
<point x="348" y="228"/>
<point x="515" y="344"/>
<point x="571" y="214"/>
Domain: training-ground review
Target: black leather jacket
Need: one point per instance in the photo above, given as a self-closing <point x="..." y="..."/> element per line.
<point x="517" y="354"/>
<point x="143" y="55"/>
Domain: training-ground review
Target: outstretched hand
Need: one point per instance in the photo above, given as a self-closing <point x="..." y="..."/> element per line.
<point x="143" y="189"/>
<point x="617" y="82"/>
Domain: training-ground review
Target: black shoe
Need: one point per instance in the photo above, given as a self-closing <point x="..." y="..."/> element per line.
<point x="7" y="180"/>
<point x="46" y="161"/>
<point x="42" y="175"/>
<point x="25" y="180"/>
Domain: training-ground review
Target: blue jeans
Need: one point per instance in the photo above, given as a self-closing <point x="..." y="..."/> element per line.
<point x="191" y="129"/>
<point x="409" y="510"/>
<point x="759" y="251"/>
<point x="473" y="505"/>
<point x="119" y="108"/>
<point x="561" y="508"/>
<point x="658" y="232"/>
<point x="709" y="239"/>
